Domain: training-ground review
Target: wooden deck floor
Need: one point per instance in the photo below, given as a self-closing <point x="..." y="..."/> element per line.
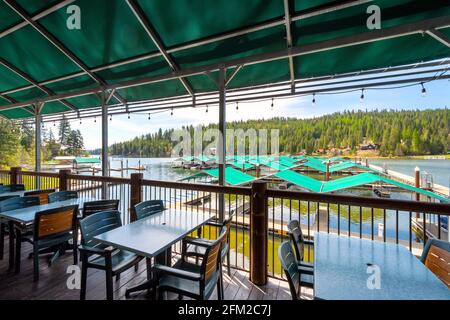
<point x="53" y="283"/>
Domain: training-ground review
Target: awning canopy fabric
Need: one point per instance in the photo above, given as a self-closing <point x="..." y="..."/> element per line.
<point x="147" y="50"/>
<point x="232" y="176"/>
<point x="347" y="182"/>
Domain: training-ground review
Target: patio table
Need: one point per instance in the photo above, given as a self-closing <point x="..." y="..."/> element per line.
<point x="14" y="193"/>
<point x="153" y="237"/>
<point x="346" y="268"/>
<point x="25" y="216"/>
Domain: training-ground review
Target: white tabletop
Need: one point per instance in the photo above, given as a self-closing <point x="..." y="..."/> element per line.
<point x="150" y="236"/>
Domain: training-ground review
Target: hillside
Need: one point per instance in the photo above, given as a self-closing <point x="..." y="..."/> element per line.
<point x="398" y="133"/>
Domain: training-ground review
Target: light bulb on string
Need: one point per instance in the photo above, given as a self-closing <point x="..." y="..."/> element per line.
<point x="424" y="91"/>
<point x="149" y="116"/>
<point x="271" y="106"/>
<point x="95" y="119"/>
<point x="237" y="106"/>
<point x="361" y="99"/>
<point x="54" y="123"/>
<point x="110" y="117"/>
<point x="314" y="100"/>
<point x="171" y="111"/>
<point x="206" y="108"/>
<point x="129" y="115"/>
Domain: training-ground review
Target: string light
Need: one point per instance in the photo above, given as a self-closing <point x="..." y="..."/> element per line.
<point x="95" y="119"/>
<point x="80" y="120"/>
<point x="362" y="96"/>
<point x="206" y="108"/>
<point x="128" y="115"/>
<point x="54" y="123"/>
<point x="237" y="106"/>
<point x="149" y="116"/>
<point x="271" y="106"/>
<point x="110" y="117"/>
<point x="171" y="111"/>
<point x="424" y="91"/>
<point x="314" y="100"/>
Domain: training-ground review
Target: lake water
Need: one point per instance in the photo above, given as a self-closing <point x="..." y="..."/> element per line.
<point x="161" y="169"/>
<point x="440" y="169"/>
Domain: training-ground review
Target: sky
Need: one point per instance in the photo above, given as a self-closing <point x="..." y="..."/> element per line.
<point x="121" y="128"/>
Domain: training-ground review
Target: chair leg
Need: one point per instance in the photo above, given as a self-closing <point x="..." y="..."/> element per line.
<point x="109" y="284"/>
<point x="228" y="263"/>
<point x="2" y="239"/>
<point x="83" y="281"/>
<point x="18" y="251"/>
<point x="219" y="290"/>
<point x="35" y="263"/>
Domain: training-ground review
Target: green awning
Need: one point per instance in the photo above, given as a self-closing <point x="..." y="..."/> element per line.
<point x="300" y="180"/>
<point x="80" y="160"/>
<point x="232" y="176"/>
<point x="112" y="46"/>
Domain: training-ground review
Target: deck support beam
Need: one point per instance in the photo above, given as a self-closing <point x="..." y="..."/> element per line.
<point x="258" y="233"/>
<point x="37" y="141"/>
<point x="103" y="97"/>
<point x="222" y="139"/>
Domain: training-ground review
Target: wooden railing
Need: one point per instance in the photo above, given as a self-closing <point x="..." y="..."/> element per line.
<point x="260" y="215"/>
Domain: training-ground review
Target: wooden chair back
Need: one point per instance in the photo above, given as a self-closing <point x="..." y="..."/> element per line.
<point x="54" y="222"/>
<point x="42" y="194"/>
<point x="436" y="256"/>
<point x="210" y="264"/>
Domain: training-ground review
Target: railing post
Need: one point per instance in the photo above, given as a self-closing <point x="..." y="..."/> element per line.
<point x="16" y="175"/>
<point x="63" y="181"/>
<point x="258" y="234"/>
<point x="135" y="193"/>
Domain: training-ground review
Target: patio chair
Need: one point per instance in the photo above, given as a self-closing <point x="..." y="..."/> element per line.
<point x="195" y="247"/>
<point x="42" y="194"/>
<point x="92" y="207"/>
<point x="190" y="279"/>
<point x="14" y="203"/>
<point x="52" y="229"/>
<point x="3" y="227"/>
<point x="148" y="208"/>
<point x="62" y="196"/>
<point x="299" y="242"/>
<point x="12" y="188"/>
<point x="436" y="256"/>
<point x="99" y="256"/>
<point x="294" y="274"/>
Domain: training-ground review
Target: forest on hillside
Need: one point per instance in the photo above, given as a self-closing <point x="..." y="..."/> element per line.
<point x="17" y="143"/>
<point x="398" y="133"/>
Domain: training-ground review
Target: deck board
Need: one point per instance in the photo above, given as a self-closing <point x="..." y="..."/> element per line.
<point x="52" y="284"/>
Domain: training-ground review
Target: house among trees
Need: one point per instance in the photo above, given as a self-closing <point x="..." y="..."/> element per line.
<point x="369" y="146"/>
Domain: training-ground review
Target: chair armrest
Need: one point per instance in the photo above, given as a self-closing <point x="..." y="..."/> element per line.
<point x="197" y="241"/>
<point x="91" y="250"/>
<point x="162" y="269"/>
<point x="214" y="224"/>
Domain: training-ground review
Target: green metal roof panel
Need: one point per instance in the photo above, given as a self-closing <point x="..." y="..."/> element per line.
<point x="34" y="7"/>
<point x="8" y="17"/>
<point x="30" y="52"/>
<point x="300" y="180"/>
<point x="109" y="32"/>
<point x="28" y="94"/>
<point x="72" y="84"/>
<point x="154" y="90"/>
<point x="16" y="113"/>
<point x="10" y="80"/>
<point x="53" y="107"/>
<point x="206" y="18"/>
